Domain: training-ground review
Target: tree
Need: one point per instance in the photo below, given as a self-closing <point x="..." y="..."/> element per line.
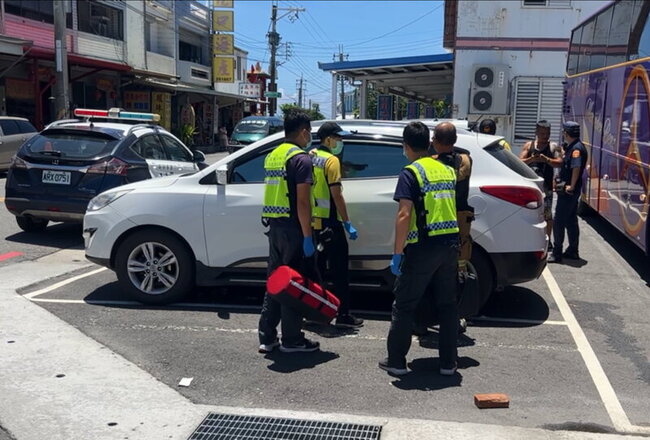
<point x="314" y="113"/>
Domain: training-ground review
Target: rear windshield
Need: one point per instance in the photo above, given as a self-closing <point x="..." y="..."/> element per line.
<point x="252" y="126"/>
<point x="72" y="145"/>
<point x="510" y="160"/>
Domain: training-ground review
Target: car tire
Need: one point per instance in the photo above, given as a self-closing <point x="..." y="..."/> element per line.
<point x="485" y="275"/>
<point x="29" y="224"/>
<point x="143" y="274"/>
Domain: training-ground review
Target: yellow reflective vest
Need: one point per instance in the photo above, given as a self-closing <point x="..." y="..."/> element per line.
<point x="321" y="201"/>
<point x="276" y="188"/>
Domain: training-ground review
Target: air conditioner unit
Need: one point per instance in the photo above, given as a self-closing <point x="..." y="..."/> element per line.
<point x="489" y="89"/>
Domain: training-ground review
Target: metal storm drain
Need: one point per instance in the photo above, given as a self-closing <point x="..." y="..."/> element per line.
<point x="222" y="426"/>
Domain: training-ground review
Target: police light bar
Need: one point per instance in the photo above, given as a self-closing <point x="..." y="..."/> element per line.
<point x="116" y="113"/>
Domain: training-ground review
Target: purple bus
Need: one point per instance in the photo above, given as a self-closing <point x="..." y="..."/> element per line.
<point x="607" y="91"/>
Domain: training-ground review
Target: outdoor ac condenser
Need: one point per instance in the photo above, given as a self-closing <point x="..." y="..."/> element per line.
<point x="489" y="89"/>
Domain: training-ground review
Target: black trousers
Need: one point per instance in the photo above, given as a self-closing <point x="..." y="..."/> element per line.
<point x="333" y="264"/>
<point x="566" y="217"/>
<point x="285" y="248"/>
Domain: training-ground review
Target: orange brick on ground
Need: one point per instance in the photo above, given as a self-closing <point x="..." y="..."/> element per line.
<point x="491" y="400"/>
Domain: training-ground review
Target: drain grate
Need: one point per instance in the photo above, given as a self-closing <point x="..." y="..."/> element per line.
<point x="223" y="426"/>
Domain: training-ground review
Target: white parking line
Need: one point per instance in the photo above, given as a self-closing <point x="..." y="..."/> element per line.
<point x="607" y="394"/>
<point x="63" y="283"/>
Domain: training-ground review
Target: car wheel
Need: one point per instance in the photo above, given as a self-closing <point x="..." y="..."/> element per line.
<point x="485" y="275"/>
<point x="29" y="224"/>
<point x="155" y="267"/>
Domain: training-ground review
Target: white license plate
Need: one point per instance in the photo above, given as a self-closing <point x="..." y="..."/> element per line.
<point x="57" y="177"/>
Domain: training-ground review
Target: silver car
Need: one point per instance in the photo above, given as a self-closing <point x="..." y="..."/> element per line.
<point x="13" y="133"/>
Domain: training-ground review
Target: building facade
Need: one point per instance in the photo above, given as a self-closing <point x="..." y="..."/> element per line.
<point x="510" y="60"/>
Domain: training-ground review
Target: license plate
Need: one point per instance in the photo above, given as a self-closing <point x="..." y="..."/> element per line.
<point x="56" y="177"/>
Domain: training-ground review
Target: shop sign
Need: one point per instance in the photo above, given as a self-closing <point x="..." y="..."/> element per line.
<point x="161" y="103"/>
<point x="429" y="112"/>
<point x="104" y="84"/>
<point x="223" y="44"/>
<point x="137" y="101"/>
<point x="19" y="89"/>
<point x="250" y="90"/>
<point x="228" y="4"/>
<point x="412" y="110"/>
<point x="223" y="70"/>
<point x="223" y="21"/>
<point x="385" y="107"/>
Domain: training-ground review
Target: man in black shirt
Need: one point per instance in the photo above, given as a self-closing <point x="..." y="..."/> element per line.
<point x="568" y="190"/>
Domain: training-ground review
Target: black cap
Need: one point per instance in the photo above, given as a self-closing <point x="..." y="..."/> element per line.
<point x="571" y="128"/>
<point x="330" y="128"/>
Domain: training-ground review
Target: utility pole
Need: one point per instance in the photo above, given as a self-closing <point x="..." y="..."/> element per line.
<point x="342" y="78"/>
<point x="61" y="87"/>
<point x="300" y="91"/>
<point x="274" y="42"/>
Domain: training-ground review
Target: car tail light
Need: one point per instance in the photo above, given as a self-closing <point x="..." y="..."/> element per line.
<point x="17" y="162"/>
<point x="523" y="196"/>
<point x="114" y="166"/>
<point x="540" y="255"/>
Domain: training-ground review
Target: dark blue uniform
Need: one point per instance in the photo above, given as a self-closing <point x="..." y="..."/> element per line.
<point x="566" y="210"/>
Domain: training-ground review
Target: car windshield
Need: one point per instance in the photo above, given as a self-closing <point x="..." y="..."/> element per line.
<point x="510" y="160"/>
<point x="252" y="126"/>
<point x="72" y="145"/>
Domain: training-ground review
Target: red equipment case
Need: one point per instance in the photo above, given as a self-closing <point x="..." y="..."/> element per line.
<point x="292" y="289"/>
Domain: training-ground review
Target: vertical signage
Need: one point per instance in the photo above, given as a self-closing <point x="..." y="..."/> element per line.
<point x="429" y="112"/>
<point x="223" y="41"/>
<point x="385" y="107"/>
<point x="412" y="110"/>
<point x="161" y="103"/>
<point x="223" y="69"/>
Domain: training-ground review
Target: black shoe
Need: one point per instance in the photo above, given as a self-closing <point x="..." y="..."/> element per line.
<point x="268" y="348"/>
<point x="420" y="330"/>
<point x="449" y="370"/>
<point x="554" y="259"/>
<point x="395" y="370"/>
<point x="303" y="346"/>
<point x="348" y="321"/>
<point x="571" y="255"/>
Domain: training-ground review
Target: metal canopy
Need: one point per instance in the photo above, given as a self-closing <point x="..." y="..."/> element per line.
<point x="422" y="78"/>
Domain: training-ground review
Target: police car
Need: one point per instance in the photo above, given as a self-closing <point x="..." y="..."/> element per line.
<point x="57" y="172"/>
<point x="164" y="236"/>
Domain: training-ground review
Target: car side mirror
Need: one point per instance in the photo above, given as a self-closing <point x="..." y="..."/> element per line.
<point x="198" y="156"/>
<point x="222" y="174"/>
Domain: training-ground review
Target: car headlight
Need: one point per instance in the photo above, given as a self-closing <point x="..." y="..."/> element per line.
<point x="105" y="199"/>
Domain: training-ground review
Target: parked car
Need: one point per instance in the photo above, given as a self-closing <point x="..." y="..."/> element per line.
<point x="13" y="133"/>
<point x="253" y="128"/>
<point x="57" y="172"/>
<point x="164" y="236"/>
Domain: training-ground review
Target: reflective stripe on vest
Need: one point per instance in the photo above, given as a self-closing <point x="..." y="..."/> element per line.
<point x="320" y="201"/>
<point x="276" y="188"/>
<point x="437" y="185"/>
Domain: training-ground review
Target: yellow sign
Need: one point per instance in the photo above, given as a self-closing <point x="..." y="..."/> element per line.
<point x="223" y="44"/>
<point x="162" y="104"/>
<point x="223" y="21"/>
<point x="222" y="4"/>
<point x="223" y="70"/>
<point x="137" y="101"/>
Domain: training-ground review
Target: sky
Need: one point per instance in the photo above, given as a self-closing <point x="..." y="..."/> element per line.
<point x="366" y="30"/>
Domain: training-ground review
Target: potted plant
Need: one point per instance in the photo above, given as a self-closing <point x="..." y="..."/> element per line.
<point x="187" y="134"/>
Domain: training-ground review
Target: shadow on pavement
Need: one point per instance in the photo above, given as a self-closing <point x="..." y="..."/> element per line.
<point x="424" y="375"/>
<point x="430" y="340"/>
<point x="291" y="362"/>
<point x="61" y="235"/>
<point x="513" y="303"/>
<point x="632" y="254"/>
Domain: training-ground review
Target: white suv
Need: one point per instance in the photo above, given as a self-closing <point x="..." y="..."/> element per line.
<point x="163" y="236"/>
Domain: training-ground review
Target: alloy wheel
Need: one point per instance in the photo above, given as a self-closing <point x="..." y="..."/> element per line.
<point x="152" y="268"/>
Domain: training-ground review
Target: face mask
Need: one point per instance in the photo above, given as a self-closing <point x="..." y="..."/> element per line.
<point x="337" y="148"/>
<point x="308" y="146"/>
<point x="404" y="153"/>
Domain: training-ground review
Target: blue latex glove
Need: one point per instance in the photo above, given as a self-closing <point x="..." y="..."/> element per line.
<point x="395" y="264"/>
<point x="352" y="232"/>
<point x="308" y="247"/>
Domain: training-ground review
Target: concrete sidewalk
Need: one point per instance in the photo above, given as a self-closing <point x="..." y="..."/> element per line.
<point x="57" y="383"/>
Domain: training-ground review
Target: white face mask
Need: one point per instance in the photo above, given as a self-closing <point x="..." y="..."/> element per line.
<point x="308" y="146"/>
<point x="336" y="149"/>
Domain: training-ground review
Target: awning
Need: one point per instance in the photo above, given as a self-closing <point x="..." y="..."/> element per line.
<point x="14" y="46"/>
<point x="78" y="60"/>
<point x="227" y="98"/>
<point x="424" y="78"/>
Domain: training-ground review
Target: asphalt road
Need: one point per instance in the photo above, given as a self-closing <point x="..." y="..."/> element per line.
<point x="528" y="346"/>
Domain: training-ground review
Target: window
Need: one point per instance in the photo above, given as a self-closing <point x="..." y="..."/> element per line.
<point x="149" y="147"/>
<point x="574" y="52"/>
<point x="239" y="69"/>
<point x="99" y="19"/>
<point x="201" y="74"/>
<point x="586" y="43"/>
<point x="549" y="3"/>
<point x="510" y="160"/>
<point x="72" y="145"/>
<point x="252" y="170"/>
<point x="639" y="46"/>
<point x="33" y="9"/>
<point x="9" y="127"/>
<point x="26" y="127"/>
<point x="619" y="32"/>
<point x="190" y="52"/>
<point x="159" y="38"/>
<point x="367" y="160"/>
<point x="601" y="35"/>
<point x="176" y="150"/>
<point x="534" y="2"/>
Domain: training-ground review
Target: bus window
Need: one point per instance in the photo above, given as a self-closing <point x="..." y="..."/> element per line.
<point x="586" y="43"/>
<point x="601" y="34"/>
<point x="639" y="46"/>
<point x="619" y="32"/>
<point x="574" y="52"/>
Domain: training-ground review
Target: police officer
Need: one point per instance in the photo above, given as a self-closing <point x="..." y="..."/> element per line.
<point x="287" y="212"/>
<point x="426" y="241"/>
<point x="330" y="218"/>
<point x="568" y="187"/>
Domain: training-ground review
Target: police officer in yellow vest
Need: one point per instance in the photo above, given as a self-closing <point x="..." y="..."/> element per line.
<point x="426" y="251"/>
<point x="330" y="218"/>
<point x="287" y="212"/>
